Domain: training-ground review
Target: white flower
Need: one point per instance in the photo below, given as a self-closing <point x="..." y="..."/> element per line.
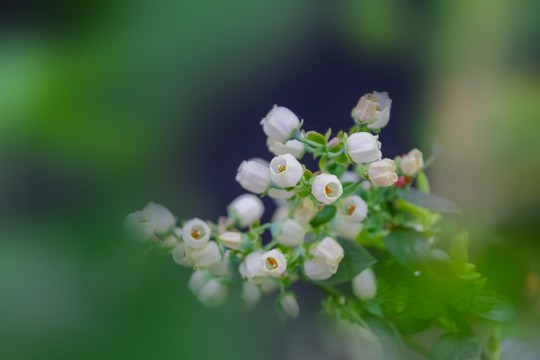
<point x="196" y="233"/>
<point x="374" y="109"/>
<point x="246" y="209"/>
<point x="182" y="255"/>
<point x="329" y="251"/>
<point x="317" y="269"/>
<point x="139" y="225"/>
<point x="349" y="176"/>
<point x="169" y="242"/>
<point x="280" y="194"/>
<point x="326" y="188"/>
<point x="274" y="262"/>
<point x="305" y="212"/>
<point x="213" y="293"/>
<point x="269" y="285"/>
<point x="206" y="255"/>
<point x="251" y="294"/>
<point x="348" y="230"/>
<point x="293" y="147"/>
<point x="197" y="281"/>
<point x="412" y="163"/>
<point x="285" y="170"/>
<point x="290" y="306"/>
<point x="353" y="209"/>
<point x="280" y="123"/>
<point x="162" y="218"/>
<point x="231" y="239"/>
<point x="281" y="213"/>
<point x="364" y="285"/>
<point x="252" y="268"/>
<point x="382" y="172"/>
<point x="363" y="147"/>
<point x="291" y="233"/>
<point x="221" y="268"/>
<point x="254" y="175"/>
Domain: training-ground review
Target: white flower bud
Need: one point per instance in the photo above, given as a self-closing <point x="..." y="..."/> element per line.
<point x="374" y="108"/>
<point x="290" y="306"/>
<point x="281" y="213"/>
<point x="329" y="251"/>
<point x="280" y="194"/>
<point x="196" y="233"/>
<point x="412" y="163"/>
<point x="269" y="285"/>
<point x="291" y="233"/>
<point x="161" y="216"/>
<point x="285" y="170"/>
<point x="363" y="147"/>
<point x="382" y="172"/>
<point x="169" y="242"/>
<point x="349" y="176"/>
<point x="280" y="123"/>
<point x="197" y="281"/>
<point x="252" y="268"/>
<point x="326" y="188"/>
<point x="305" y="212"/>
<point x="274" y="262"/>
<point x="213" y="293"/>
<point x="182" y="255"/>
<point x="364" y="285"/>
<point x="139" y="225"/>
<point x="222" y="267"/>
<point x="254" y="175"/>
<point x="251" y="294"/>
<point x="353" y="209"/>
<point x="348" y="230"/>
<point x="206" y="256"/>
<point x="231" y="239"/>
<point x="246" y="209"/>
<point x="317" y="269"/>
<point x="293" y="147"/>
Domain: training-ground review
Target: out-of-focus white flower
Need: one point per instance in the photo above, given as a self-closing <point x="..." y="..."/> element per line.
<point x="317" y="269"/>
<point x="373" y="107"/>
<point x="363" y="147"/>
<point x="291" y="233"/>
<point x="285" y="170"/>
<point x="326" y="188"/>
<point x="290" y="306"/>
<point x="213" y="293"/>
<point x="196" y="233"/>
<point x="231" y="239"/>
<point x="281" y="212"/>
<point x="280" y="194"/>
<point x="246" y="209"/>
<point x="197" y="281"/>
<point x="251" y="294"/>
<point x="366" y="185"/>
<point x="169" y="242"/>
<point x="139" y="225"/>
<point x="348" y="230"/>
<point x="353" y="209"/>
<point x="269" y="285"/>
<point x="329" y="251"/>
<point x="382" y="172"/>
<point x="412" y="163"/>
<point x="252" y="268"/>
<point x="349" y="176"/>
<point x="254" y="175"/>
<point x="293" y="147"/>
<point x="182" y="255"/>
<point x="222" y="267"/>
<point x="364" y="285"/>
<point x="206" y="256"/>
<point x="305" y="212"/>
<point x="161" y="217"/>
<point x="274" y="262"/>
<point x="280" y="123"/>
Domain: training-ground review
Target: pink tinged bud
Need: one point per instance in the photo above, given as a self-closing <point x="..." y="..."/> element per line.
<point x="382" y="172"/>
<point x="403" y="181"/>
<point x="333" y="142"/>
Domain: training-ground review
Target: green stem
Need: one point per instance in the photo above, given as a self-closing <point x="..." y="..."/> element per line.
<point x="270" y="245"/>
<point x="302" y="139"/>
<point x="262" y="228"/>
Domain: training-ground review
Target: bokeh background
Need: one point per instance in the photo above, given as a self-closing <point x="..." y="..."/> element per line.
<point x="107" y="105"/>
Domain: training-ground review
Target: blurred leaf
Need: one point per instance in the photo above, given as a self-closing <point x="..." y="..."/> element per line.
<point x="316" y="137"/>
<point x="388" y="336"/>
<point x="324" y="216"/>
<point x="408" y="246"/>
<point x="410" y="325"/>
<point x="492" y="308"/>
<point x="456" y="347"/>
<point x="422" y="182"/>
<point x="429" y="201"/>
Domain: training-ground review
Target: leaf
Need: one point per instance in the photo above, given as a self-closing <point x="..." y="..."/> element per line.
<point x="356" y="260"/>
<point x="422" y="182"/>
<point x="408" y="246"/>
<point x="454" y="346"/>
<point x="492" y="308"/>
<point x="316" y="137"/>
<point x="410" y="325"/>
<point x="388" y="336"/>
<point x="324" y="216"/>
<point x="429" y="201"/>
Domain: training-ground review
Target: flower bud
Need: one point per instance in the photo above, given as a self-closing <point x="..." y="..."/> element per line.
<point x="317" y="269"/>
<point x="412" y="163"/>
<point x="246" y="209"/>
<point x="293" y="147"/>
<point x="329" y="251"/>
<point x="182" y="255"/>
<point x="374" y="109"/>
<point x="213" y="293"/>
<point x="348" y="230"/>
<point x="197" y="281"/>
<point x="139" y="225"/>
<point x="252" y="268"/>
<point x="349" y="176"/>
<point x="254" y="175"/>
<point x="280" y="123"/>
<point x="281" y="213"/>
<point x="279" y="194"/>
<point x="285" y="170"/>
<point x="161" y="216"/>
<point x="274" y="262"/>
<point x="231" y="239"/>
<point x="169" y="242"/>
<point x="289" y="304"/>
<point x="291" y="233"/>
<point x="269" y="285"/>
<point x="205" y="256"/>
<point x="221" y="268"/>
<point x="305" y="212"/>
<point x="251" y="294"/>
<point x="382" y="172"/>
<point x="364" y="285"/>
<point x="362" y="147"/>
<point x="353" y="209"/>
<point x="326" y="188"/>
<point x="196" y="233"/>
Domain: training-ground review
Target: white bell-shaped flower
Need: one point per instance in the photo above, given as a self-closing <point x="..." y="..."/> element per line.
<point x="317" y="269"/>
<point x="290" y="306"/>
<point x="139" y="225"/>
<point x="346" y="229"/>
<point x="305" y="211"/>
<point x="285" y="170"/>
<point x="197" y="281"/>
<point x="291" y="233"/>
<point x="364" y="285"/>
<point x="222" y="268"/>
<point x="373" y="109"/>
<point x="293" y="147"/>
<point x="213" y="293"/>
<point x="274" y="263"/>
<point x="231" y="239"/>
<point x="196" y="233"/>
<point x="161" y="216"/>
<point x="269" y="285"/>
<point x="279" y="194"/>
<point x="182" y="255"/>
<point x="326" y="188"/>
<point x="251" y="294"/>
<point x="246" y="209"/>
<point x="252" y="268"/>
<point x="353" y="209"/>
<point x="412" y="163"/>
<point x="280" y="123"/>
<point x="206" y="256"/>
<point x="362" y="147"/>
<point x="281" y="213"/>
<point x="329" y="251"/>
<point x="254" y="175"/>
<point x="169" y="242"/>
<point x="382" y="172"/>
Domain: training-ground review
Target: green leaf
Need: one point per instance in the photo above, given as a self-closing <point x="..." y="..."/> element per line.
<point x="324" y="216"/>
<point x="322" y="162"/>
<point x="356" y="260"/>
<point x="408" y="246"/>
<point x="453" y="346"/>
<point x="492" y="308"/>
<point x="410" y="325"/>
<point x="350" y="189"/>
<point x="429" y="201"/>
<point x="316" y="137"/>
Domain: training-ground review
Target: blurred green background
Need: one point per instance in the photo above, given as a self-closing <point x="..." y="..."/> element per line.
<point x="105" y="106"/>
